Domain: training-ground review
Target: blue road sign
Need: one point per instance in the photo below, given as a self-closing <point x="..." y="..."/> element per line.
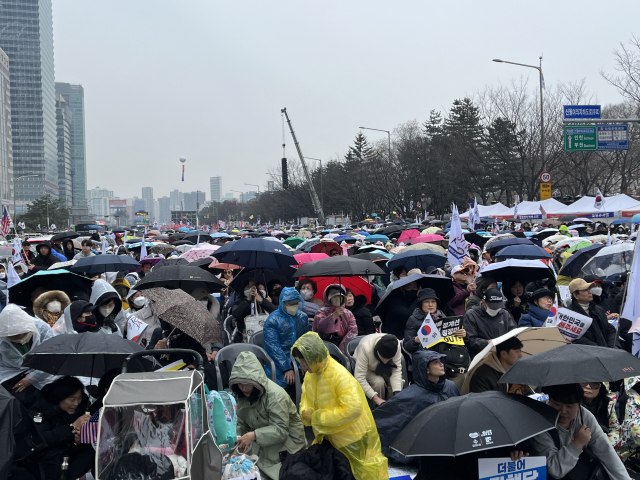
<point x="582" y="111"/>
<point x="613" y="137"/>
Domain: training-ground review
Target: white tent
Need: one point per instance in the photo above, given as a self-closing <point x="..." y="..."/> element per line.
<point x="531" y="210"/>
<point x="485" y="210"/>
<point x="630" y="212"/>
<point x="584" y="207"/>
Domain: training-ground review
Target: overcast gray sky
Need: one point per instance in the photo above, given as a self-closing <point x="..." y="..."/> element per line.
<point x="207" y="79"/>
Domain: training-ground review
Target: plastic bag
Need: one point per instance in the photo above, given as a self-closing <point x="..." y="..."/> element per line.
<point x="238" y="466"/>
<point x="223" y="419"/>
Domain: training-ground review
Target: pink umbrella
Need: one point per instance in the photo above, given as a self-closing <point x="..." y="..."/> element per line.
<point x="427" y="238"/>
<point x="408" y="235"/>
<point x="303" y="258"/>
<point x="200" y="252"/>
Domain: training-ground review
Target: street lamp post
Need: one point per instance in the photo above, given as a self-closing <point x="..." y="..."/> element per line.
<point x="14" y="194"/>
<point x="321" y="192"/>
<point x="539" y="68"/>
<point x="254" y="185"/>
<point x="241" y="200"/>
<point x="379" y="130"/>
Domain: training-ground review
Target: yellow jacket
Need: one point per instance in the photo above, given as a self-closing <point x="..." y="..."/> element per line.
<point x="335" y="406"/>
<point x="122" y="282"/>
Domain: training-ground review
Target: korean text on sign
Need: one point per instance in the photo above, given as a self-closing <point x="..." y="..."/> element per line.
<point x="530" y="468"/>
<point x="572" y="325"/>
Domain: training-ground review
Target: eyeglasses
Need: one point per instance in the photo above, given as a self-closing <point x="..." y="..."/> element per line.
<point x="591" y="385"/>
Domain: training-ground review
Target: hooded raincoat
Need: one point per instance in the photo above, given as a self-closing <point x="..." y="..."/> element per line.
<point x="281" y="330"/>
<point x="396" y="413"/>
<point x="325" y="325"/>
<point x="272" y="415"/>
<point x="334" y="405"/>
<point x="102" y="292"/>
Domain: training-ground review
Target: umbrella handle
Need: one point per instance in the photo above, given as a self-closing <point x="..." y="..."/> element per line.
<point x="157" y="353"/>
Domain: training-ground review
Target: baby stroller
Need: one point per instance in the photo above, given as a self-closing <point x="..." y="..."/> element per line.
<point x="153" y="426"/>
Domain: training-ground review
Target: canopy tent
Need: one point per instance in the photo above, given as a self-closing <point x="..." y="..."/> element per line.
<point x="485" y="211"/>
<point x="531" y="210"/>
<point x="584" y="207"/>
<point x="630" y="212"/>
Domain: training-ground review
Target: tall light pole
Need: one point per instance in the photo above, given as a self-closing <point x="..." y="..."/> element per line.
<point x="241" y="201"/>
<point x="14" y="194"/>
<point x="379" y="130"/>
<point x="321" y="191"/>
<point x="254" y="185"/>
<point x="539" y="68"/>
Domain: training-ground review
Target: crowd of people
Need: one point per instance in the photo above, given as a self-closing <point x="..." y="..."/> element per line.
<point x="351" y="366"/>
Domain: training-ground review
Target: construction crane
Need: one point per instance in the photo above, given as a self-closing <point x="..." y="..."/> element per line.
<point x="317" y="206"/>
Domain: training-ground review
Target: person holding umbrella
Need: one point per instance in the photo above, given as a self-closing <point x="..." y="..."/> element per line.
<point x="601" y="332"/>
<point x="333" y="322"/>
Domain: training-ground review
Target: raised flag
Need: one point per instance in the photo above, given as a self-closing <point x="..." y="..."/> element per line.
<point x="6" y="222"/>
<point x="12" y="276"/>
<point x="458" y="247"/>
<point x="89" y="431"/>
<point x="17" y="249"/>
<point x="515" y="207"/>
<point x="476" y="212"/>
<point x="599" y="201"/>
<point x="143" y="250"/>
<point x="543" y="212"/>
<point x="429" y="333"/>
<point x="103" y="249"/>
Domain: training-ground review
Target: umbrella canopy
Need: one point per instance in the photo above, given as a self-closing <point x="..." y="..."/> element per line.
<point x="408" y="235"/>
<point x="523" y="252"/>
<point x="610" y="262"/>
<point x="568" y="218"/>
<point x="376" y="238"/>
<point x="303" y="258"/>
<point x="193" y="237"/>
<point x="216" y="265"/>
<point x="65" y="235"/>
<point x="326" y="247"/>
<point x="575" y="262"/>
<point x="182" y="243"/>
<point x="524" y="270"/>
<point x="63" y="265"/>
<point x="461" y="421"/>
<point x="573" y="363"/>
<point x="75" y="286"/>
<point x="372" y="256"/>
<point x="199" y="252"/>
<point x="421" y="246"/>
<point x="255" y="253"/>
<point x="443" y="286"/>
<point x="390" y="231"/>
<point x="427" y="238"/>
<point x="184" y="277"/>
<point x="421" y="259"/>
<point x="185" y="313"/>
<point x="89" y="354"/>
<point x="496" y="246"/>
<point x="176" y="236"/>
<point x="339" y="266"/>
<point x="170" y="262"/>
<point x="162" y="249"/>
<point x="357" y="285"/>
<point x="473" y="237"/>
<point x="582" y="219"/>
<point x="293" y="241"/>
<point x="620" y="221"/>
<point x="549" y="232"/>
<point x="581" y="245"/>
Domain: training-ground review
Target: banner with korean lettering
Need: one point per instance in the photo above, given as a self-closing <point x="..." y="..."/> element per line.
<point x="135" y="328"/>
<point x="528" y="468"/>
<point x="572" y="325"/>
<point x="448" y="326"/>
<point x="428" y="332"/>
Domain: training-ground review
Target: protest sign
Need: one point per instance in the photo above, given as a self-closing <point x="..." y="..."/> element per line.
<point x="529" y="468"/>
<point x="448" y="326"/>
<point x="428" y="332"/>
<point x="565" y="295"/>
<point x="135" y="328"/>
<point x="572" y="325"/>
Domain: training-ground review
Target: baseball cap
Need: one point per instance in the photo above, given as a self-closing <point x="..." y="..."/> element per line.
<point x="494" y="298"/>
<point x="459" y="269"/>
<point x="579" y="284"/>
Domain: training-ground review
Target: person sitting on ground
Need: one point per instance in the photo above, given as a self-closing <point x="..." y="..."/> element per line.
<point x="122" y="287"/>
<point x="281" y="329"/>
<point x="333" y="322"/>
<point x="59" y="415"/>
<point x="429" y="387"/>
<point x="50" y="305"/>
<point x="87" y="245"/>
<point x="254" y="302"/>
<point x="576" y="430"/>
<point x="357" y="304"/>
<point x="487" y="321"/>
<point x="463" y="287"/>
<point x="107" y="307"/>
<point x="268" y="420"/>
<point x="601" y="332"/>
<point x="482" y="285"/>
<point x="335" y="407"/>
<point x="541" y="303"/>
<point x="379" y="367"/>
<point x="307" y="288"/>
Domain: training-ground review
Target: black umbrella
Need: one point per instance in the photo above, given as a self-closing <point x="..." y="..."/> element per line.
<point x="473" y="237"/>
<point x="338" y="266"/>
<point x="442" y="285"/>
<point x="523" y="252"/>
<point x="193" y="237"/>
<point x="182" y="242"/>
<point x="86" y="354"/>
<point x="542" y="235"/>
<point x="372" y="256"/>
<point x="75" y="286"/>
<point x="184" y="277"/>
<point x="573" y="363"/>
<point x="422" y="259"/>
<point x="105" y="263"/>
<point x="524" y="270"/>
<point x="176" y="236"/>
<point x="568" y="218"/>
<point x="390" y="231"/>
<point x="474" y="422"/>
<point x="64" y="235"/>
<point x="575" y="262"/>
<point x="255" y="253"/>
<point x="498" y="245"/>
<point x="201" y="262"/>
<point x="167" y="262"/>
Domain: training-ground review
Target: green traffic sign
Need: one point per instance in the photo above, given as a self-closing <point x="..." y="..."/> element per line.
<point x="579" y="138"/>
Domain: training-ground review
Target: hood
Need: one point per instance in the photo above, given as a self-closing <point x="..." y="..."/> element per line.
<point x="247" y="369"/>
<point x="15" y="321"/>
<point x="46" y="243"/>
<point x="563" y="228"/>
<point x="288" y="294"/>
<point x="101" y="293"/>
<point x="121" y="281"/>
<point x="420" y="361"/>
<point x="42" y="300"/>
<point x="324" y="296"/>
<point x="313" y="350"/>
<point x="67" y="245"/>
<point x="630" y="382"/>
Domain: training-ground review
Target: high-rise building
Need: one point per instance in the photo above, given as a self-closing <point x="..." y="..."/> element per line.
<point x="176" y="200"/>
<point x="73" y="94"/>
<point x="191" y="202"/>
<point x="164" y="209"/>
<point x="250" y="195"/>
<point x="98" y="202"/>
<point x="147" y="196"/>
<point x="216" y="188"/>
<point x="26" y="36"/>
<point x="6" y="146"/>
<point x="63" y="124"/>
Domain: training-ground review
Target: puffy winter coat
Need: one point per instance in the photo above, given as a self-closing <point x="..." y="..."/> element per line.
<point x="324" y="324"/>
<point x="535" y="317"/>
<point x="281" y="330"/>
<point x="366" y="362"/>
<point x="41" y="302"/>
<point x="334" y="405"/>
<point x="272" y="415"/>
<point x="362" y="314"/>
<point x="395" y="414"/>
<point x="482" y="327"/>
<point x="101" y="293"/>
<point x="319" y="462"/>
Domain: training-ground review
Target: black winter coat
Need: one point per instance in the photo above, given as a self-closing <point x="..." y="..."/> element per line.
<point x="601" y="332"/>
<point x="481" y="327"/>
<point x="318" y="462"/>
<point x="42" y="262"/>
<point x="485" y="379"/>
<point x="364" y="320"/>
<point x="395" y="311"/>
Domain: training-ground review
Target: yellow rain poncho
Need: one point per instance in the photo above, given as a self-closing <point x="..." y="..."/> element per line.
<point x="335" y="406"/>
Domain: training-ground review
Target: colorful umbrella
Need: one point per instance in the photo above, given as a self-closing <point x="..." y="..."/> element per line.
<point x="326" y="247"/>
<point x="200" y="252"/>
<point x="357" y="285"/>
<point x="303" y="258"/>
<point x="408" y="235"/>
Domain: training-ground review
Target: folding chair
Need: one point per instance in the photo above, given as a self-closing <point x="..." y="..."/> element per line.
<point x="230" y="354"/>
<point x="350" y="350"/>
<point x="257" y="339"/>
<point x="337" y="355"/>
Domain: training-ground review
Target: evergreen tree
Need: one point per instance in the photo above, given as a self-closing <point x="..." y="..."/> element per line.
<point x="37" y="213"/>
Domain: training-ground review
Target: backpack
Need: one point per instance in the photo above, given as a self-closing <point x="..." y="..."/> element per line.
<point x="223" y="418"/>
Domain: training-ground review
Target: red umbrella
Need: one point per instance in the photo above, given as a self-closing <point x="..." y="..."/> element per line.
<point x="408" y="235"/>
<point x="427" y="238"/>
<point x="303" y="258"/>
<point x="223" y="266"/>
<point x="357" y="285"/>
<point x="326" y="247"/>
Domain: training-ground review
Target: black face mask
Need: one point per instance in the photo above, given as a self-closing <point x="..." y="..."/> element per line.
<point x="91" y="319"/>
<point x="410" y="294"/>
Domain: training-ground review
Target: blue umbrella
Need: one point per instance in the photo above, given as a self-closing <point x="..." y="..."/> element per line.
<point x="340" y="238"/>
<point x="421" y="259"/>
<point x="523" y="252"/>
<point x="620" y="221"/>
<point x="105" y="263"/>
<point x="377" y="238"/>
<point x="575" y="262"/>
<point x="255" y="253"/>
<point x="635" y="218"/>
<point x="362" y="232"/>
<point x="498" y="245"/>
<point x="219" y="235"/>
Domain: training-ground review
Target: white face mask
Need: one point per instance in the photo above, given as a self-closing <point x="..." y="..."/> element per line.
<point x="596" y="291"/>
<point x="3" y="275"/>
<point x="291" y="309"/>
<point x="247" y="292"/>
<point x="140" y="301"/>
<point x="263" y="293"/>
<point x="306" y="294"/>
<point x="105" y="311"/>
<point x="491" y="312"/>
<point x="54" y="306"/>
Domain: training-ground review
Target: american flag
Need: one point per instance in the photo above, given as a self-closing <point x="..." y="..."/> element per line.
<point x="89" y="431"/>
<point x="6" y="222"/>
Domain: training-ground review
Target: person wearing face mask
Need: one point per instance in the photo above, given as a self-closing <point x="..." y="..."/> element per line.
<point x="333" y="322"/>
<point x="600" y="296"/>
<point x="79" y="317"/>
<point x="19" y="333"/>
<point x="3" y="272"/>
<point x="253" y="302"/>
<point x="487" y="321"/>
<point x="281" y="329"/>
<point x="107" y="307"/>
<point x="50" y="305"/>
<point x="307" y="289"/>
<point x="122" y="287"/>
<point x="274" y="288"/>
<point x="601" y="332"/>
<point x="139" y="308"/>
